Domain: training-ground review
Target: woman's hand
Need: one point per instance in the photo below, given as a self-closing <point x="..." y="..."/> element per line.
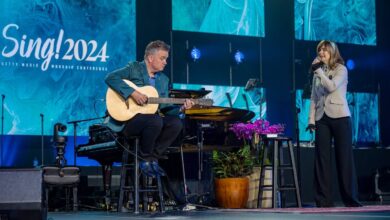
<point x="316" y="64"/>
<point x="311" y="128"/>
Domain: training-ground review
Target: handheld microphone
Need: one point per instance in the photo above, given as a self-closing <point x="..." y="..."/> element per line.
<point x="316" y="66"/>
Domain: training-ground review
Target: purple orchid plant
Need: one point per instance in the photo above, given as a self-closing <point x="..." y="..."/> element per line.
<point x="247" y="131"/>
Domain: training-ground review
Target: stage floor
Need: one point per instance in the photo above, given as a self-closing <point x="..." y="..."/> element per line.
<point x="366" y="212"/>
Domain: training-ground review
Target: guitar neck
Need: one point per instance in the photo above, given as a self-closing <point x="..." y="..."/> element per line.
<point x="153" y="100"/>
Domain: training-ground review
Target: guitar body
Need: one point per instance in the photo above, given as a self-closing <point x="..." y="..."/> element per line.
<point x="118" y="109"/>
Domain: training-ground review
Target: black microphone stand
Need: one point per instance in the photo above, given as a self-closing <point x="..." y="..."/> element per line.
<point x="75" y="123"/>
<point x="42" y="141"/>
<point x="2" y="130"/>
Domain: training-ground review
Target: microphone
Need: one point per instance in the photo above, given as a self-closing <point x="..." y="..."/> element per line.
<point x="41" y="115"/>
<point x="3" y="96"/>
<point x="316" y="66"/>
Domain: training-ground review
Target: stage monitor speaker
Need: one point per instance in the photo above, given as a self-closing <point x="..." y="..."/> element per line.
<point x="21" y="194"/>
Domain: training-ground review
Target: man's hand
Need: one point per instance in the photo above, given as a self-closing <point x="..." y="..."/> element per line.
<point x="311" y="128"/>
<point x="139" y="98"/>
<point x="188" y="103"/>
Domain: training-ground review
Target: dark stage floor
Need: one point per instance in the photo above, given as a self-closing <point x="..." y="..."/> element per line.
<point x="367" y="212"/>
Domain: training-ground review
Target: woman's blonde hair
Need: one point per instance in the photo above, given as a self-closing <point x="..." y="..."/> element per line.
<point x="334" y="52"/>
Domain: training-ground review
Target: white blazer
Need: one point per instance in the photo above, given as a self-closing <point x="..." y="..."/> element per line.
<point x="329" y="94"/>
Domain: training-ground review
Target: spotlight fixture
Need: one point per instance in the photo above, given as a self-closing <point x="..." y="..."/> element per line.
<point x="239" y="57"/>
<point x="195" y="54"/>
<point x="350" y="64"/>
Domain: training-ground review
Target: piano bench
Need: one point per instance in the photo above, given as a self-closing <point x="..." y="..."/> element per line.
<point x="66" y="177"/>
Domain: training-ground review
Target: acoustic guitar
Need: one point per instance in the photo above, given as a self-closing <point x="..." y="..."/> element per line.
<point x="123" y="110"/>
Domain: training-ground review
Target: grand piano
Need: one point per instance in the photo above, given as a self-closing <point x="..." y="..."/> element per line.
<point x="211" y="121"/>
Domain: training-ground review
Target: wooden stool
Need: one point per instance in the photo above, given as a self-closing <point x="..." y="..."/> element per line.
<point x="277" y="166"/>
<point x="135" y="187"/>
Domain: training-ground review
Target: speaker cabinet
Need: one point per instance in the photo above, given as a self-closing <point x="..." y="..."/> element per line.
<point x="21" y="194"/>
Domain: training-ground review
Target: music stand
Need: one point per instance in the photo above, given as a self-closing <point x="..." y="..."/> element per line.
<point x="192" y="94"/>
<point x="251" y="84"/>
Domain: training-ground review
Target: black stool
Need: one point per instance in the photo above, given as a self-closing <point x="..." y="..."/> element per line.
<point x="277" y="170"/>
<point x="137" y="175"/>
<point x="67" y="177"/>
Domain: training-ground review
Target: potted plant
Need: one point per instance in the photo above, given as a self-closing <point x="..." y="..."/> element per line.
<point x="231" y="182"/>
<point x="251" y="134"/>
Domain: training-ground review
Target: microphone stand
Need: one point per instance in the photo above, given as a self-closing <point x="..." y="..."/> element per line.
<point x="246" y="101"/>
<point x="229" y="99"/>
<point x="2" y="130"/>
<point x="42" y="141"/>
<point x="260" y="93"/>
<point x="75" y="123"/>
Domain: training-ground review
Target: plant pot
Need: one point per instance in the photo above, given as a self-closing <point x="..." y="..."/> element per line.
<point x="232" y="192"/>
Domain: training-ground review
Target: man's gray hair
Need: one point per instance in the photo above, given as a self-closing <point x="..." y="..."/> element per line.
<point x="154" y="46"/>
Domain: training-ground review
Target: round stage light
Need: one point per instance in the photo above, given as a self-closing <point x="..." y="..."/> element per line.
<point x="350" y="64"/>
<point x="239" y="57"/>
<point x="195" y="54"/>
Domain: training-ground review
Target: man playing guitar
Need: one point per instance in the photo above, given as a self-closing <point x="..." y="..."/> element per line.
<point x="157" y="132"/>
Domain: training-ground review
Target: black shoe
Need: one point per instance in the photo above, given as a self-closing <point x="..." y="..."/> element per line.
<point x="324" y="204"/>
<point x="354" y="204"/>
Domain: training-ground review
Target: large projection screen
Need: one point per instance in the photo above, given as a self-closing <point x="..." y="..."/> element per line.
<point x="54" y="57"/>
<point x="341" y="21"/>
<point x="244" y="17"/>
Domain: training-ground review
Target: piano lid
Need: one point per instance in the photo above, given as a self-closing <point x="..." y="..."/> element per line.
<point x="217" y="113"/>
<point x="187" y="93"/>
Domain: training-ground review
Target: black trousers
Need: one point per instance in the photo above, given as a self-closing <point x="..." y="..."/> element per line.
<point x="340" y="130"/>
<point x="157" y="133"/>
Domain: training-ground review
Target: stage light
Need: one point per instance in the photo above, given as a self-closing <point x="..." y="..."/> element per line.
<point x="239" y="57"/>
<point x="195" y="54"/>
<point x="350" y="64"/>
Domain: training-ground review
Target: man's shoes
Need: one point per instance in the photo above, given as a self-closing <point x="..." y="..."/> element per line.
<point x="157" y="169"/>
<point x="151" y="169"/>
<point x="147" y="169"/>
